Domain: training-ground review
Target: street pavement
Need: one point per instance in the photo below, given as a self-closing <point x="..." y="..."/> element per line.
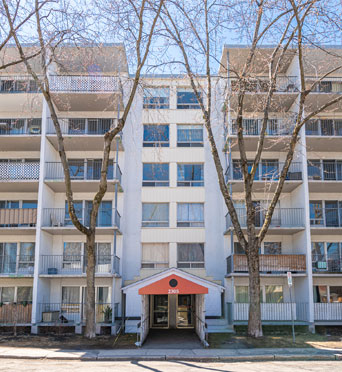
<point x="44" y="365"/>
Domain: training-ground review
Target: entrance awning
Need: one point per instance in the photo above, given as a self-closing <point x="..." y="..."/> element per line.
<point x="173" y="284"/>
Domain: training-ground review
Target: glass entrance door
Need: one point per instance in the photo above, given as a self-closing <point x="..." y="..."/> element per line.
<point x="185" y="308"/>
<point x="160" y="311"/>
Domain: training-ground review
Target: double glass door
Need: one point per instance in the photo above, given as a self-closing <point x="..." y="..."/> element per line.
<point x="172" y="311"/>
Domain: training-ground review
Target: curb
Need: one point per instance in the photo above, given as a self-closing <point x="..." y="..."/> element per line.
<point x="204" y="359"/>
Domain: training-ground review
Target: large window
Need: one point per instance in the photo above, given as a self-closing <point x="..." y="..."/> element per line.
<point x="24" y="294"/>
<point x="268" y="294"/>
<point x="7" y="294"/>
<point x="156" y="136"/>
<point x="190" y="255"/>
<point x="26" y="257"/>
<point x="72" y="254"/>
<point x="186" y="99"/>
<point x="155" y="255"/>
<point x="190" y="175"/>
<point x="326" y="256"/>
<point x="70" y="295"/>
<point x="241" y="294"/>
<point x="155" y="174"/>
<point x="272" y="248"/>
<point x="316" y="213"/>
<point x="320" y="293"/>
<point x="155" y="215"/>
<point x="190" y="214"/>
<point x="190" y="135"/>
<point x="274" y="293"/>
<point x="156" y="98"/>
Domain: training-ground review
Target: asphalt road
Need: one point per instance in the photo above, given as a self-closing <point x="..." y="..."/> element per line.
<point x="80" y="366"/>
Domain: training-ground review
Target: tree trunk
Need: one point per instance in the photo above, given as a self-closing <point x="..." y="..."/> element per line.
<point x="90" y="330"/>
<point x="254" y="316"/>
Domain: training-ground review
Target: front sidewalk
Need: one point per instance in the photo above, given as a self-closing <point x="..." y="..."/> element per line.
<point x="209" y="355"/>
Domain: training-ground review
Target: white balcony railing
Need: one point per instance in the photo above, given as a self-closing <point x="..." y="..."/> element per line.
<point x="328" y="311"/>
<point x="87" y="83"/>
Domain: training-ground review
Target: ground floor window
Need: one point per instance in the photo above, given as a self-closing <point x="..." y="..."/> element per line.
<point x="268" y="294"/>
<point x="324" y="293"/>
<point x="15" y="294"/>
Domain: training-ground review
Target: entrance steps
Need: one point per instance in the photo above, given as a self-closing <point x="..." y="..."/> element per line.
<point x="131" y="325"/>
<point x="219" y="325"/>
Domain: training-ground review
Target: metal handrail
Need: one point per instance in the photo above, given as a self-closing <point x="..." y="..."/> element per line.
<point x="205" y="328"/>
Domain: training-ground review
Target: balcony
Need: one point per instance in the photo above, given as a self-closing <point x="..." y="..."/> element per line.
<point x="326" y="264"/>
<point x="269" y="264"/>
<point x="284" y="220"/>
<point x="276" y="138"/>
<point x="57" y="221"/>
<point x="19" y="94"/>
<point x="286" y="91"/>
<point x="21" y="134"/>
<point x="326" y="221"/>
<point x="76" y="265"/>
<point x="266" y="177"/>
<point x="85" y="175"/>
<point x="16" y="266"/>
<point x="270" y="312"/>
<point x="83" y="133"/>
<point x="71" y="314"/>
<point x="328" y="312"/>
<point x="66" y="91"/>
<point x="19" y="176"/>
<point x="321" y="171"/>
<point x="24" y="219"/>
<point x="15" y="313"/>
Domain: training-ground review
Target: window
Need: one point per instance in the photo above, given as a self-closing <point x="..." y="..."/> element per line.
<point x="237" y="170"/>
<point x="156" y="98"/>
<point x="155" y="255"/>
<point x="190" y="215"/>
<point x="270" y="169"/>
<point x="316" y="213"/>
<point x="103" y="253"/>
<point x="78" y="205"/>
<point x="156" y="136"/>
<point x="24" y="294"/>
<point x="76" y="126"/>
<point x="238" y="248"/>
<point x="70" y="295"/>
<point x="318" y="256"/>
<point x="104" y="218"/>
<point x="241" y="294"/>
<point x="155" y="215"/>
<point x="314" y="170"/>
<point x="8" y="258"/>
<point x="94" y="169"/>
<point x="76" y="168"/>
<point x="190" y="255"/>
<point x="335" y="294"/>
<point x="312" y="128"/>
<point x="99" y="126"/>
<point x="274" y="293"/>
<point x="190" y="175"/>
<point x="155" y="174"/>
<point x="7" y="294"/>
<point x="189" y="135"/>
<point x="320" y="293"/>
<point x="102" y="295"/>
<point x="72" y="254"/>
<point x="331" y="213"/>
<point x="272" y="248"/>
<point x="186" y="99"/>
<point x="26" y="257"/>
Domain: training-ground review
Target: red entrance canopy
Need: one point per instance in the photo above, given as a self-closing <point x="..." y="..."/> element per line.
<point x="173" y="284"/>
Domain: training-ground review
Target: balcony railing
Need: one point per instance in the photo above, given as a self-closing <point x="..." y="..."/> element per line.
<point x="12" y="127"/>
<point x="18" y="84"/>
<point x="59" y="217"/>
<point x="87" y="83"/>
<point x="327" y="170"/>
<point x="15" y="313"/>
<point x="80" y="171"/>
<point x="328" y="311"/>
<point x="282" y="217"/>
<point x="72" y="313"/>
<point x="261" y="84"/>
<point x="275" y="127"/>
<point x="324" y="127"/>
<point x="328" y="85"/>
<point x="277" y="312"/>
<point x="331" y="263"/>
<point x="267" y="172"/>
<point x="327" y="217"/>
<point x="19" y="171"/>
<point x="16" y="265"/>
<point x="77" y="264"/>
<point x="268" y="263"/>
<point x="18" y="217"/>
<point x="82" y="126"/>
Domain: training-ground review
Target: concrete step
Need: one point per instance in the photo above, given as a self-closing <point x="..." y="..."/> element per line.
<point x="217" y="322"/>
<point x="220" y="329"/>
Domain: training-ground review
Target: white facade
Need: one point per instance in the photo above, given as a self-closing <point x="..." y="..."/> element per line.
<point x="160" y="206"/>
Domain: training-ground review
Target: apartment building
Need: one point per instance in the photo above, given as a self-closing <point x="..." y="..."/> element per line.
<point x="167" y="256"/>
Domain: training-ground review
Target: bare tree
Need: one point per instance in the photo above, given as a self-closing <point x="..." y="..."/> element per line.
<point x="55" y="25"/>
<point x="292" y="27"/>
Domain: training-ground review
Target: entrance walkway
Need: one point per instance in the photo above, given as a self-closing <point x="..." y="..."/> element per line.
<point x="172" y="339"/>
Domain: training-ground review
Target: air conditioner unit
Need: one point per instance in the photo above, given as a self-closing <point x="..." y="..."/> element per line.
<point x="321" y="264"/>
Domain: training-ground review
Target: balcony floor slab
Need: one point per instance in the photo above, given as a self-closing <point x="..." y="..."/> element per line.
<point x="276" y="230"/>
<point x="19" y="186"/>
<point x="325" y="186"/>
<point x="81" y="185"/>
<point x="20" y="142"/>
<point x="323" y="143"/>
<point x="73" y="231"/>
<point x="17" y="230"/>
<point x="320" y="230"/>
<point x="271" y="143"/>
<point x="265" y="186"/>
